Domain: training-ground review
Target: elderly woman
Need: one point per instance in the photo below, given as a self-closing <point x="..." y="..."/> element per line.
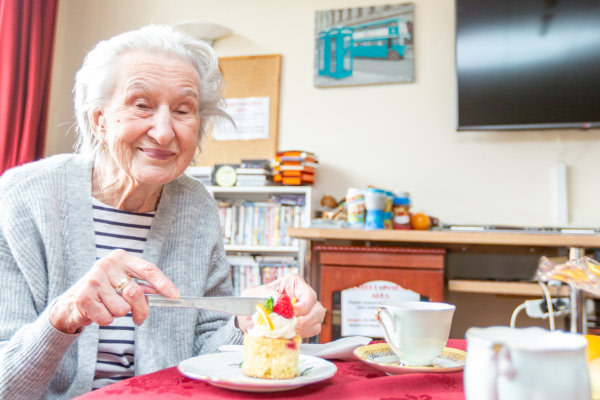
<point x="75" y="228"/>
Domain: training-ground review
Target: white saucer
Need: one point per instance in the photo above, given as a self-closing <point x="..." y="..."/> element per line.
<point x="380" y="356"/>
<point x="224" y="370"/>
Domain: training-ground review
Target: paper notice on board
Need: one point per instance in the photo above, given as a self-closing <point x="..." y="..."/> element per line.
<point x="360" y="303"/>
<point x="251" y="116"/>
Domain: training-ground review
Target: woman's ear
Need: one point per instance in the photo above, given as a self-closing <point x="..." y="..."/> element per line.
<point x="97" y="123"/>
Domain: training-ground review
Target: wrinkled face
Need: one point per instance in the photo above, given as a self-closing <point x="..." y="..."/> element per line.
<point x="151" y="124"/>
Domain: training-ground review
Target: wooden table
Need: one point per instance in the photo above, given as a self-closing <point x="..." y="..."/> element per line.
<point x="445" y="238"/>
<point x="451" y="241"/>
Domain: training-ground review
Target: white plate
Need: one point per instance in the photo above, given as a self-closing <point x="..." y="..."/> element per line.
<point x="380" y="356"/>
<point x="224" y="370"/>
<point x="340" y="349"/>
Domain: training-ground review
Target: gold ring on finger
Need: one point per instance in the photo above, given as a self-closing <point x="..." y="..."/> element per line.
<point x="121" y="285"/>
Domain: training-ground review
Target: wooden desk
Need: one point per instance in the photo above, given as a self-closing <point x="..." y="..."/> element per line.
<point x="451" y="241"/>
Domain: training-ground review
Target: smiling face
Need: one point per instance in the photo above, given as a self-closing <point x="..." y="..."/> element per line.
<point x="151" y="124"/>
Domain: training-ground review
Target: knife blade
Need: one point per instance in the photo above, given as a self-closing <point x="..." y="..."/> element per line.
<point x="226" y="304"/>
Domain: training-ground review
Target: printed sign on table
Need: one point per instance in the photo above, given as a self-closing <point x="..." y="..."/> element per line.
<point x="360" y="303"/>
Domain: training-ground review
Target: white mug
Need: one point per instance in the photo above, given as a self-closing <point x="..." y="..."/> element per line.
<point x="525" y="364"/>
<point x="416" y="331"/>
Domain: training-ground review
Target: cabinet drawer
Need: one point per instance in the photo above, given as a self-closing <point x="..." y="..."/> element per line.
<point x="384" y="257"/>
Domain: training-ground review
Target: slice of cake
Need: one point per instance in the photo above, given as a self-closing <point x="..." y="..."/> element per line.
<point x="271" y="346"/>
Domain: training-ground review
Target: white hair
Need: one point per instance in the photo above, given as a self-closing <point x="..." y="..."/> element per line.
<point x="96" y="79"/>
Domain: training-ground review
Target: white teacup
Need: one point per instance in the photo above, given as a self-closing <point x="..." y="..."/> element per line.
<point x="416" y="331"/>
<point x="525" y="363"/>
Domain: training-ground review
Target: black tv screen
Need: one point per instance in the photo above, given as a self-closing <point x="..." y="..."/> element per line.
<point x="528" y="64"/>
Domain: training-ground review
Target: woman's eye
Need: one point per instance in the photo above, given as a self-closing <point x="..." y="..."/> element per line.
<point x="141" y="105"/>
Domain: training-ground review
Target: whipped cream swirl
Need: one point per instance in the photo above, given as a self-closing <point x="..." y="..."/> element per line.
<point x="283" y="328"/>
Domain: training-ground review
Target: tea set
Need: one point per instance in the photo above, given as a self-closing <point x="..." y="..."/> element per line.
<point x="501" y="362"/>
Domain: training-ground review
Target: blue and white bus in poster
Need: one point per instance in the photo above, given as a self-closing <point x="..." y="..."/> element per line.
<point x="383" y="39"/>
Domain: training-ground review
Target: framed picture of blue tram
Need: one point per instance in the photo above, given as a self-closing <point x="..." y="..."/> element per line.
<point x="364" y="45"/>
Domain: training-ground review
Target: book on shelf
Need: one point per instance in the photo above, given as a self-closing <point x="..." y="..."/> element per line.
<point x="253" y="171"/>
<point x="301" y="167"/>
<point x="288" y="199"/>
<point x="262" y="163"/>
<point x="199" y="170"/>
<point x="294" y="173"/>
<point x="293" y="160"/>
<point x="298" y="180"/>
<point x="259" y="223"/>
<point x="294" y="180"/>
<point x="248" y="271"/>
<point x="296" y="153"/>
<point x="270" y="273"/>
<point x="201" y="173"/>
<point x="245" y="272"/>
<point x="279" y="260"/>
<point x="295" y="167"/>
<point x="253" y="180"/>
<point x="255" y="167"/>
<point x="242" y="260"/>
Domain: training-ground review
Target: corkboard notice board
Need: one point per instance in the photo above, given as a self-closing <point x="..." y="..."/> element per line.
<point x="246" y="77"/>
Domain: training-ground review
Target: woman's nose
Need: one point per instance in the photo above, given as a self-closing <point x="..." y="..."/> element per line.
<point x="162" y="128"/>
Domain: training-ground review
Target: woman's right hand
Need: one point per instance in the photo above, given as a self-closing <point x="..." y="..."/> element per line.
<point x="94" y="297"/>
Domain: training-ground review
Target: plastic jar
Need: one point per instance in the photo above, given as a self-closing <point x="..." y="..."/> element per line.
<point x="402" y="211"/>
<point x="374" y="204"/>
<point x="355" y="208"/>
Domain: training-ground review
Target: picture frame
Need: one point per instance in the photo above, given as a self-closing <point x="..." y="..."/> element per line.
<point x="364" y="45"/>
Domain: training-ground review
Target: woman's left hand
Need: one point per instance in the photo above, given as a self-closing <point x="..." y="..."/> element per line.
<point x="309" y="312"/>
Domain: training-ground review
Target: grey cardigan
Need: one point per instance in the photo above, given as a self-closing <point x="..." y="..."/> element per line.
<point x="47" y="244"/>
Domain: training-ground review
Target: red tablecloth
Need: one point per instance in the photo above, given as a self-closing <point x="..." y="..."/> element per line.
<point x="353" y="380"/>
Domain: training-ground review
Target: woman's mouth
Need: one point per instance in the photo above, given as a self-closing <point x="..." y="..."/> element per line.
<point x="157" y="153"/>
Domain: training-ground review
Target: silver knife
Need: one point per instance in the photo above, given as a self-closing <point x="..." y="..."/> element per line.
<point x="229" y="305"/>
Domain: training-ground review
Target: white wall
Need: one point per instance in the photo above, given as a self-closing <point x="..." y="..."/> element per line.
<point x="396" y="136"/>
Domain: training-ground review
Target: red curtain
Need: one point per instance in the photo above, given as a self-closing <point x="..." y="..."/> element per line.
<point x="26" y="39"/>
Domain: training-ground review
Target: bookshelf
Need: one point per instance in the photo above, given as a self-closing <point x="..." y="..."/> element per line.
<point x="255" y="222"/>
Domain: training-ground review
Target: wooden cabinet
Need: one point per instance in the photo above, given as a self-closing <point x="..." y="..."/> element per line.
<point x="342" y="267"/>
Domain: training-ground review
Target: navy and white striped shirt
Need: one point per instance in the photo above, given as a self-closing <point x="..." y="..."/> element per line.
<point x="117" y="229"/>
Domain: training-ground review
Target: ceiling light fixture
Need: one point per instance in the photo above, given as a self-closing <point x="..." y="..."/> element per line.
<point x="203" y="31"/>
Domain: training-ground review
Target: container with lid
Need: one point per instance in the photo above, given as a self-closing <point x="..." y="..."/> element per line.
<point x="402" y="210"/>
<point x="355" y="208"/>
<point x="375" y="205"/>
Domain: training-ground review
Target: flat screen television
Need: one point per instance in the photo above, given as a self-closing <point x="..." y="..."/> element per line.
<point x="528" y="64"/>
